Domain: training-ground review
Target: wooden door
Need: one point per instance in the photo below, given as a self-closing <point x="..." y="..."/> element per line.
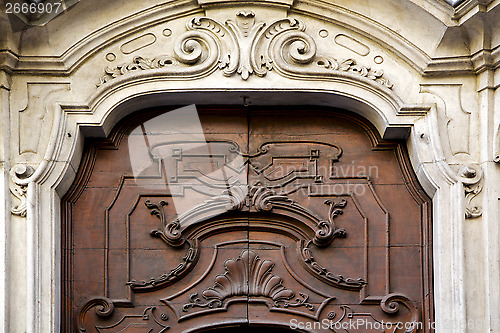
<point x="300" y="219"/>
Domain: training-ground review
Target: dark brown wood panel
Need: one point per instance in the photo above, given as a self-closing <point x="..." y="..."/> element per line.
<point x="300" y="218"/>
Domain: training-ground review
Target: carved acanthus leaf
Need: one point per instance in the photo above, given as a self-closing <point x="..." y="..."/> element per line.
<point x="263" y="199"/>
<point x="248" y="275"/>
<point x="471" y="178"/>
<point x="326" y="231"/>
<point x="18" y="174"/>
<point x="171" y="232"/>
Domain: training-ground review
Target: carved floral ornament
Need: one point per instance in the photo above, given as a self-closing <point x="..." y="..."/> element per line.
<point x="246" y="47"/>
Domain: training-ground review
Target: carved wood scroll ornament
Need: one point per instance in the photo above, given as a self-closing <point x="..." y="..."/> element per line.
<point x="237" y="198"/>
<point x="18" y="174"/>
<point x="246" y="47"/>
<point x="105" y="307"/>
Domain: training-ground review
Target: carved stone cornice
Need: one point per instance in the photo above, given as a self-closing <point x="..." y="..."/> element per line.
<point x="469" y="8"/>
<point x="246" y="47"/>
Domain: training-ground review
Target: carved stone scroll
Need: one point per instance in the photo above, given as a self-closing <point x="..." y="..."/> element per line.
<point x="471" y="178"/>
<point x="246" y="47"/>
<point x="18" y="189"/>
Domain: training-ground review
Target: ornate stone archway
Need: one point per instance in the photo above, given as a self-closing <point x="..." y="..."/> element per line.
<point x="260" y="53"/>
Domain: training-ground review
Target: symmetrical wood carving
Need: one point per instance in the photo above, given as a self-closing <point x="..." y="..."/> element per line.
<point x="248" y="275"/>
<point x="247" y="47"/>
<point x="302" y="237"/>
<point x="323" y="273"/>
